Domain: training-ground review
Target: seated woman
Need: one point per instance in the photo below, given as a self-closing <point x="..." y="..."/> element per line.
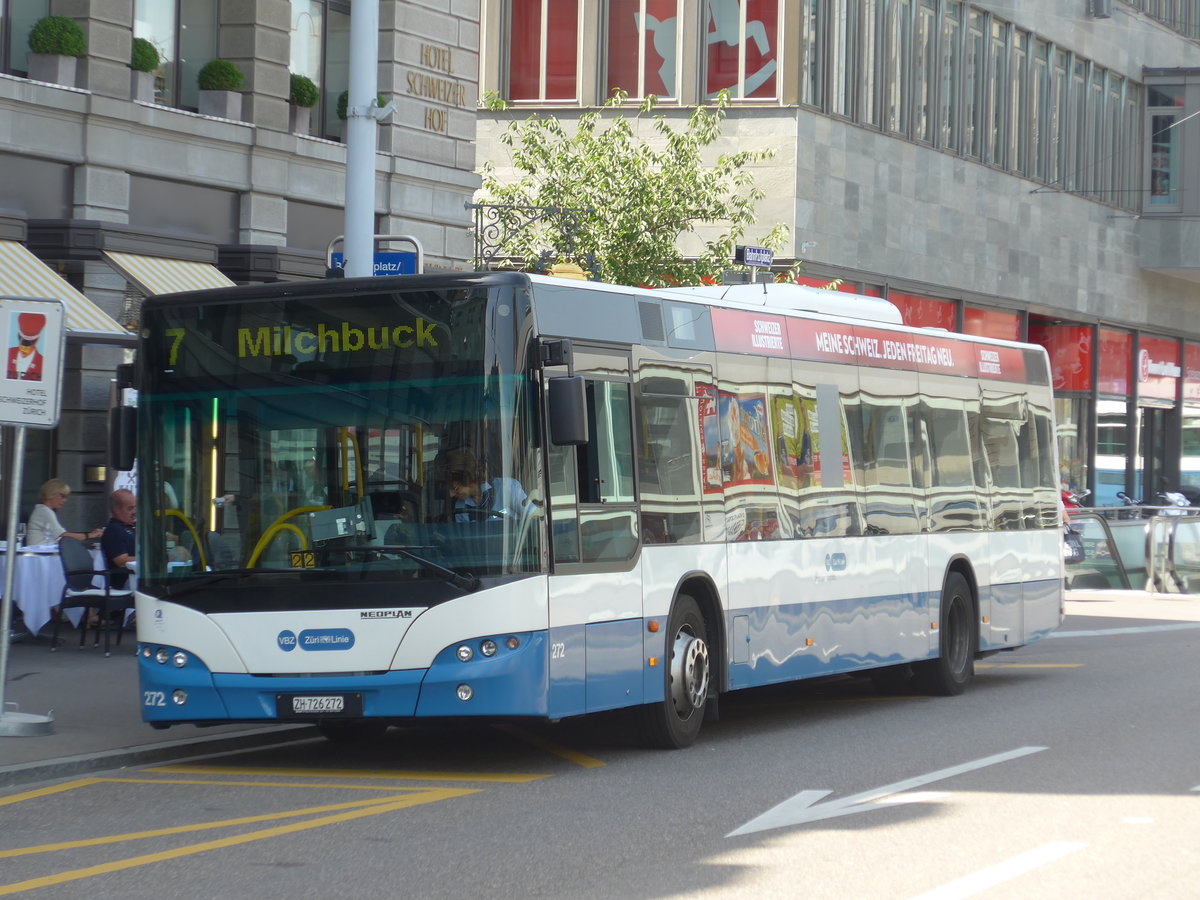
<point x="43" y="526"/>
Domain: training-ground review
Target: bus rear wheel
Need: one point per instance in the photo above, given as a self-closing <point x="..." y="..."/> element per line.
<point x="674" y="722"/>
<point x="948" y="674"/>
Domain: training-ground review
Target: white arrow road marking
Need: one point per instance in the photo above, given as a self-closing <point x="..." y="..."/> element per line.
<point x="800" y="809"/>
<point x="999" y="873"/>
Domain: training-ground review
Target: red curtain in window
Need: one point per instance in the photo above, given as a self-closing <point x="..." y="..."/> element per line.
<point x="624" y="32"/>
<point x="723" y="36"/>
<point x="524" y="50"/>
<point x="562" y="50"/>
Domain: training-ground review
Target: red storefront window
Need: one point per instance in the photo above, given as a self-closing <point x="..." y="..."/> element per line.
<point x="924" y="312"/>
<point x="726" y="50"/>
<point x="1191" y="373"/>
<point x="1116" y="357"/>
<point x="1070" y="349"/>
<point x="526" y="50"/>
<point x="1158" y="368"/>
<point x="992" y="323"/>
<point x="658" y="33"/>
<point x="823" y="284"/>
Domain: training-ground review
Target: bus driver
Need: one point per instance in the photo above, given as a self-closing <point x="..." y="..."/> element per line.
<point x="476" y="496"/>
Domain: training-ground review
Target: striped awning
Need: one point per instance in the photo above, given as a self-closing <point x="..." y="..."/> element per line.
<point x="158" y="275"/>
<point x="24" y="275"/>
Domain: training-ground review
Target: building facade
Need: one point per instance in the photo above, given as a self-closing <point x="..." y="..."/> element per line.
<point x="124" y="188"/>
<point x="1022" y="169"/>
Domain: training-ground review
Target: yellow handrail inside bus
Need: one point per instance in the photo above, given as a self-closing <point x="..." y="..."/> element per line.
<point x="195" y="535"/>
<point x="269" y="535"/>
<point x="346" y="442"/>
<point x="276" y="526"/>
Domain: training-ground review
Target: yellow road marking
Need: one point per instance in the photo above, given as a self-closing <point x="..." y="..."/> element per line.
<point x="443" y="794"/>
<point x="373" y="809"/>
<point x="391" y="775"/>
<point x="47" y="791"/>
<point x="558" y="750"/>
<point x="227" y="783"/>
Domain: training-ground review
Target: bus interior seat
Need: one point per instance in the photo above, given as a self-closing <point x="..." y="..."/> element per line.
<point x="221" y="553"/>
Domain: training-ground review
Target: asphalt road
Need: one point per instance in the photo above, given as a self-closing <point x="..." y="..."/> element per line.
<point x="1068" y="769"/>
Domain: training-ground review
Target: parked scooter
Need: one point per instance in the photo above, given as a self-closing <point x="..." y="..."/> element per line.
<point x="1074" y="499"/>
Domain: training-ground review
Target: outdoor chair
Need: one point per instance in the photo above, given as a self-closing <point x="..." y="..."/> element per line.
<point x="80" y="592"/>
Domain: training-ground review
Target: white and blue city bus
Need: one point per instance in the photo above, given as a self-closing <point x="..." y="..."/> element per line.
<point x="683" y="495"/>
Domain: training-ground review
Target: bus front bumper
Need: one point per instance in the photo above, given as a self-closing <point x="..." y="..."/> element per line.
<point x="177" y="687"/>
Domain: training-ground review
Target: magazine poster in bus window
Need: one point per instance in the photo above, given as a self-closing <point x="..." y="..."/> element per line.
<point x="710" y="440"/>
<point x="745" y="446"/>
<point x="795" y="454"/>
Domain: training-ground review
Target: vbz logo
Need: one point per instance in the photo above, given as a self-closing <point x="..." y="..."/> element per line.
<point x="835" y="562"/>
<point x="287" y="641"/>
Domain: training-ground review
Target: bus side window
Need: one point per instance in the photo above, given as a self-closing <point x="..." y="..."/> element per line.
<point x="564" y="506"/>
<point x="608" y="529"/>
<point x="668" y="475"/>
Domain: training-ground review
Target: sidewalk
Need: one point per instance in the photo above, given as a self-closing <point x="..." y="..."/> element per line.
<point x="97" y="717"/>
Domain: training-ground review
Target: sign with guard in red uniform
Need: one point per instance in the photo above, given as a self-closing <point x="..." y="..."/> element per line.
<point x="31" y="332"/>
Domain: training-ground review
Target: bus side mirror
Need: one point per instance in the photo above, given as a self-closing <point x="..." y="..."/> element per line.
<point x="122" y="437"/>
<point x="568" y="410"/>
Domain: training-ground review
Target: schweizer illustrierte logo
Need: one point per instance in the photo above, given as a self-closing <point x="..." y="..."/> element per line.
<point x="317" y="639"/>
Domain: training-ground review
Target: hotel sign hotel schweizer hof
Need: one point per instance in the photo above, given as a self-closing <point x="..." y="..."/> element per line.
<point x="435" y="82"/>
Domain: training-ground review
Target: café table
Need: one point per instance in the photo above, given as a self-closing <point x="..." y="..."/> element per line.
<point x="38" y="583"/>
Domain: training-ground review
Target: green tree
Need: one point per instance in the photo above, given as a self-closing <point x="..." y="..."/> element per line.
<point x="634" y="198"/>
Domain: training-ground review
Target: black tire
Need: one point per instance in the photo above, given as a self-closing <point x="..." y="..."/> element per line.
<point x="674" y="722"/>
<point x="346" y="731"/>
<point x="949" y="673"/>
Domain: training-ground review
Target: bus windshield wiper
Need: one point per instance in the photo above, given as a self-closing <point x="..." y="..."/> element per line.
<point x="464" y="581"/>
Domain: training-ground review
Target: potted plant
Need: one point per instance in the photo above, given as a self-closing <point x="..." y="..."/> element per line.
<point x="302" y="96"/>
<point x="143" y="63"/>
<point x="343" y="103"/>
<point x="220" y="83"/>
<point x="55" y="44"/>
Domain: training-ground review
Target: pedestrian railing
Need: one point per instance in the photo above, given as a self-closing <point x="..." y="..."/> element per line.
<point x="1137" y="548"/>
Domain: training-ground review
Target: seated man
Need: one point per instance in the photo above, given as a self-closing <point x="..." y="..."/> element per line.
<point x="117" y="542"/>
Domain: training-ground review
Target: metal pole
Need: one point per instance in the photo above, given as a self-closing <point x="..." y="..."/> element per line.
<point x="361" y="138"/>
<point x="12" y="723"/>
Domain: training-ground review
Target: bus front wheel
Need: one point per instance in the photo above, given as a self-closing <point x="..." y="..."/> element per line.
<point x="675" y="721"/>
<point x="947" y="674"/>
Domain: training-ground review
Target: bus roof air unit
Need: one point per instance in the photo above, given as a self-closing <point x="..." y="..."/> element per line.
<point x="797" y="297"/>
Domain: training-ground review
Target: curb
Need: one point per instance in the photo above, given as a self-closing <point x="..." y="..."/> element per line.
<point x="164" y="751"/>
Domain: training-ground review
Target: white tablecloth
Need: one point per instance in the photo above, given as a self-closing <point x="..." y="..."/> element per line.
<point x="38" y="583"/>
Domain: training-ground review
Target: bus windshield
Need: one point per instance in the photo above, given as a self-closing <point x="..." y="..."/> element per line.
<point x="382" y="438"/>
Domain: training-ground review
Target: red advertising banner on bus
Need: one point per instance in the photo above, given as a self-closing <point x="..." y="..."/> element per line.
<point x="761" y="333"/>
